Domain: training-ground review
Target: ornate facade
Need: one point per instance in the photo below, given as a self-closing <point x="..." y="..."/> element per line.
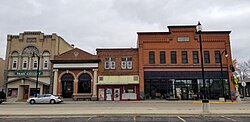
<point x="24" y="54"/>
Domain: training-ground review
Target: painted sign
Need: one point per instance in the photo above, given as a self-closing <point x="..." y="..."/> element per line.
<point x="28" y="73"/>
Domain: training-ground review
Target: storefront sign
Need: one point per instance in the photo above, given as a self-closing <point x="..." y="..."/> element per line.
<point x="28" y="73"/>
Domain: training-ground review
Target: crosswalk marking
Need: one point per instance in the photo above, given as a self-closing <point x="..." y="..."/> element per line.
<point x="183" y="120"/>
<point x="229" y="118"/>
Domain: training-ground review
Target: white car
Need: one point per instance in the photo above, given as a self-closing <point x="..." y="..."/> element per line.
<point x="45" y="98"/>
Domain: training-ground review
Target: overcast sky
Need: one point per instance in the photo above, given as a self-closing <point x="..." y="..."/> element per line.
<point x="91" y="24"/>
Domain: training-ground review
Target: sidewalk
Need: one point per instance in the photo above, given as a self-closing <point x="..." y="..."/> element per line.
<point x="123" y="108"/>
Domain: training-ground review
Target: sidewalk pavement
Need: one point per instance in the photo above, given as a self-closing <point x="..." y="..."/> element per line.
<point x="68" y="101"/>
<point x="122" y="111"/>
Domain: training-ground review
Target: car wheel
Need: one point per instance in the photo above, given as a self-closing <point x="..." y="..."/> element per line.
<point x="52" y="101"/>
<point x="32" y="101"/>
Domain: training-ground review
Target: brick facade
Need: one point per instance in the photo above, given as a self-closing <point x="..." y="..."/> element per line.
<point x="120" y="82"/>
<point x="189" y="42"/>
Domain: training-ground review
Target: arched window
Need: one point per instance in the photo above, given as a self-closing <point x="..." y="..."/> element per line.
<point x="46" y="57"/>
<point x="14" y="58"/>
<point x="84" y="83"/>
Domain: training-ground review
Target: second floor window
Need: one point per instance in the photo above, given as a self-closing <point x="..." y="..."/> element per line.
<point x="184" y="57"/>
<point x="195" y="57"/>
<point x="151" y="57"/>
<point x="206" y="57"/>
<point x="14" y="64"/>
<point x="45" y="66"/>
<point x="126" y="63"/>
<point x="35" y="64"/>
<point x="162" y="57"/>
<point x="217" y="56"/>
<point x="24" y="64"/>
<point x="173" y="57"/>
<point x="109" y="63"/>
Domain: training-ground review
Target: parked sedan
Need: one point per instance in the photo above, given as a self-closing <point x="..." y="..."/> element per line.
<point x="45" y="98"/>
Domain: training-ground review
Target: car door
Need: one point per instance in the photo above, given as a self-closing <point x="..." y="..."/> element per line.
<point x="39" y="99"/>
<point x="46" y="98"/>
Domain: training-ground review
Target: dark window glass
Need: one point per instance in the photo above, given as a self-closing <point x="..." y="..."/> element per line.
<point x="184" y="57"/>
<point x="84" y="84"/>
<point x="173" y="57"/>
<point x="206" y="57"/>
<point x="162" y="57"/>
<point x="195" y="57"/>
<point x="151" y="57"/>
<point x="217" y="56"/>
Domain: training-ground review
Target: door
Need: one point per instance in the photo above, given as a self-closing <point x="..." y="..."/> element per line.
<point x="67" y="90"/>
<point x="108" y="94"/>
<point x="101" y="94"/>
<point x="184" y="93"/>
<point x="25" y="91"/>
<point x="117" y="94"/>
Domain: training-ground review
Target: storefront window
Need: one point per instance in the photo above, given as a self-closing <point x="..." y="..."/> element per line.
<point x="129" y="89"/>
<point x="12" y="92"/>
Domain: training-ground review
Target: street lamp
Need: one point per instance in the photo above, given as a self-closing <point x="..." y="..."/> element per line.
<point x="37" y="70"/>
<point x="221" y="73"/>
<point x="205" y="101"/>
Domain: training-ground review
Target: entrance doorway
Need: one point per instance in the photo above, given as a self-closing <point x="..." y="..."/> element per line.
<point x="184" y="93"/>
<point x="67" y="85"/>
<point x="25" y="91"/>
<point x="117" y="94"/>
<point x="108" y="94"/>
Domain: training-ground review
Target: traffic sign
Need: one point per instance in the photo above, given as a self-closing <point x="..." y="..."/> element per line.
<point x="243" y="84"/>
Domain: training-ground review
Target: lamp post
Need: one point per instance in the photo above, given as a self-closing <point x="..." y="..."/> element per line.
<point x="205" y="101"/>
<point x="221" y="73"/>
<point x="37" y="70"/>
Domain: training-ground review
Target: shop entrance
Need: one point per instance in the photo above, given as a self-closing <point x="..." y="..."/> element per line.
<point x="108" y="94"/>
<point x="25" y="91"/>
<point x="67" y="85"/>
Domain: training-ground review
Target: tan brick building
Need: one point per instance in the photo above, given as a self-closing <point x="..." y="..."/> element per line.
<point x="170" y="68"/>
<point x="75" y="75"/>
<point x="118" y="76"/>
<point x="2" y="63"/>
<point x="21" y="66"/>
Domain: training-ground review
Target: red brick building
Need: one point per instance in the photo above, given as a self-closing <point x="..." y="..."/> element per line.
<point x="75" y="75"/>
<point x="118" y="76"/>
<point x="170" y="68"/>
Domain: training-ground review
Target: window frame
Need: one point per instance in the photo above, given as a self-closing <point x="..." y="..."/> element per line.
<point x="162" y="57"/>
<point x="173" y="57"/>
<point x="217" y="57"/>
<point x="195" y="57"/>
<point x="184" y="57"/>
<point x="206" y="57"/>
<point x="151" y="57"/>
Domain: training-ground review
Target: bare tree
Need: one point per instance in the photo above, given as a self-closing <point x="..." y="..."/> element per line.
<point x="244" y="69"/>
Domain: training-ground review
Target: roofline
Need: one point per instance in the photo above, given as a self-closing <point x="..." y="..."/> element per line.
<point x="207" y="32"/>
<point x="153" y="32"/>
<point x="182" y="26"/>
<point x="76" y="61"/>
<point x="116" y="49"/>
